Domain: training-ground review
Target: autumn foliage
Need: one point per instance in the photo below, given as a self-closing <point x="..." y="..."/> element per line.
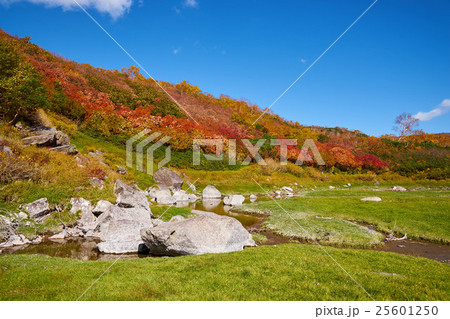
<point x="123" y="102"/>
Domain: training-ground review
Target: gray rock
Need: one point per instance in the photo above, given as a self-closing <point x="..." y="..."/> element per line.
<point x="61" y="235"/>
<point x="371" y="199"/>
<point x="80" y="205"/>
<point x="208" y="233"/>
<point x="122" y="170"/>
<point x="15" y="240"/>
<point x="287" y="189"/>
<point x="37" y="240"/>
<point x="253" y="198"/>
<point x="168" y="178"/>
<point x="166" y="200"/>
<point x="102" y="207"/>
<point x="399" y="189"/>
<point x="5" y="149"/>
<point x="128" y="197"/>
<point x="331" y="187"/>
<point x="88" y="220"/>
<point x="181" y="196"/>
<point x="38" y="208"/>
<point x="234" y="200"/>
<point x="81" y="160"/>
<point x="68" y="149"/>
<point x="119" y="229"/>
<point x="22" y="215"/>
<point x="62" y="139"/>
<point x="162" y="196"/>
<point x="97" y="182"/>
<point x="43" y="140"/>
<point x="211" y="192"/>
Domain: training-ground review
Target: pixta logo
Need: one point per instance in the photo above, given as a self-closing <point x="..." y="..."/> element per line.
<point x="143" y="143"/>
<point x="140" y="146"/>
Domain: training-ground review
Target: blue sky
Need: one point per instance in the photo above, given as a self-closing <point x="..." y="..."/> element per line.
<point x="394" y="60"/>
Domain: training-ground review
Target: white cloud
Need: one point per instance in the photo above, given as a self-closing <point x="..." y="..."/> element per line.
<point x="302" y="60"/>
<point x="115" y="8"/>
<point x="176" y="51"/>
<point x="191" y="3"/>
<point x="439" y="110"/>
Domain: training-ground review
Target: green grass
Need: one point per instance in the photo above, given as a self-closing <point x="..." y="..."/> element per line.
<point x="284" y="272"/>
<point x="420" y="213"/>
<point x="165" y="213"/>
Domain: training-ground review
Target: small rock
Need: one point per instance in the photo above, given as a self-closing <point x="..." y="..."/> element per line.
<point x="211" y="192"/>
<point x="371" y="199"/>
<point x="88" y="220"/>
<point x="37" y="240"/>
<point x="22" y="215"/>
<point x="181" y="196"/>
<point x="68" y="149"/>
<point x="5" y="149"/>
<point x="234" y="200"/>
<point x="38" y="208"/>
<point x="97" y="182"/>
<point x="287" y="189"/>
<point x="128" y="197"/>
<point x="81" y="160"/>
<point x="399" y="189"/>
<point x="122" y="170"/>
<point x="168" y="178"/>
<point x="253" y="198"/>
<point x="166" y="200"/>
<point x="61" y="235"/>
<point x="331" y="187"/>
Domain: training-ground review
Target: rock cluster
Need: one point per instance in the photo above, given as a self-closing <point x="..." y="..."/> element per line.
<point x="127" y="226"/>
<point x="43" y="136"/>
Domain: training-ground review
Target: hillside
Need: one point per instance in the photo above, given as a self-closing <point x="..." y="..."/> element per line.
<point x="113" y="105"/>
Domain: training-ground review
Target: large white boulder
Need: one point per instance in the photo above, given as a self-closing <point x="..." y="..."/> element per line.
<point x="208" y="233"/>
